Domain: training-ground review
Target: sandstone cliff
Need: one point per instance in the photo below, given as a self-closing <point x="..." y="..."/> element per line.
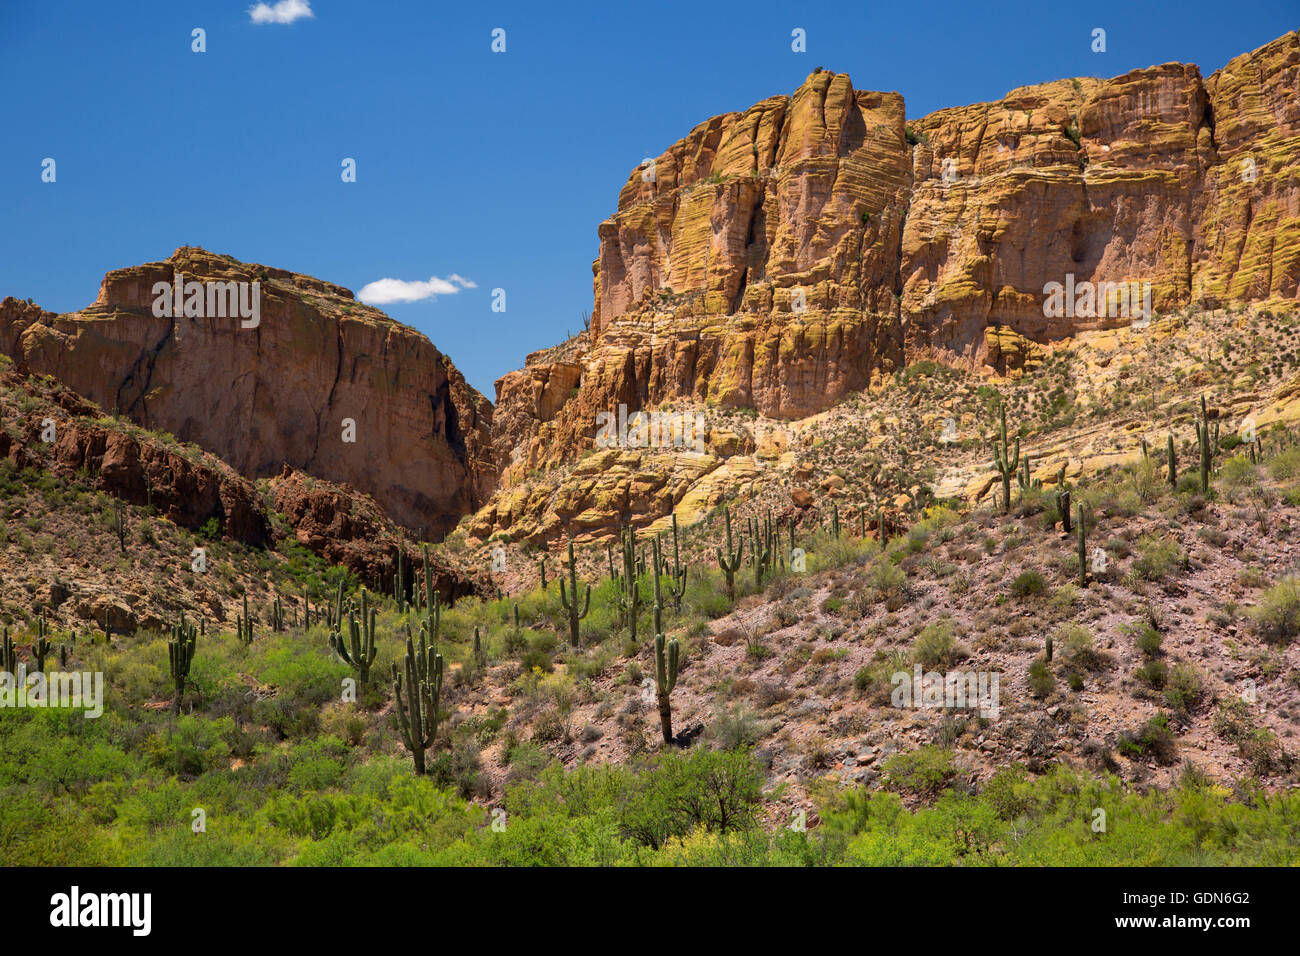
<point x="780" y="258"/>
<point x="277" y="393"/>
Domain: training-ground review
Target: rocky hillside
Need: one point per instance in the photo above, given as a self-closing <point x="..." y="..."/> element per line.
<point x="776" y="260"/>
<point x="279" y="393"/>
<point x="101" y="518"/>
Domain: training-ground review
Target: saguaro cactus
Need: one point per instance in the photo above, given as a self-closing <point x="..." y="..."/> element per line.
<point x="418" y="715"/>
<point x="118" y="522"/>
<point x="431" y="624"/>
<point x="1173" y="463"/>
<point x="629" y="598"/>
<point x="399" y="582"/>
<point x="729" y="561"/>
<point x="1006" y="461"/>
<point x="1063" y="508"/>
<point x="180" y="656"/>
<point x="676" y="590"/>
<point x="542" y="570"/>
<point x="658" y="607"/>
<point x="1205" y="440"/>
<point x="430" y="595"/>
<point x="40" y="646"/>
<point x="361" y="652"/>
<point x="8" y="655"/>
<point x="569" y="599"/>
<point x="244" y="624"/>
<point x="666" y="659"/>
<point x="678" y="570"/>
<point x="763" y="547"/>
<point x="1083" y="550"/>
<point x="334" y="609"/>
<point x="480" y="649"/>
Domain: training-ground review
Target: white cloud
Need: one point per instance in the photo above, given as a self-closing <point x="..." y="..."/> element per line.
<point x="285" y="11"/>
<point x="386" y="291"/>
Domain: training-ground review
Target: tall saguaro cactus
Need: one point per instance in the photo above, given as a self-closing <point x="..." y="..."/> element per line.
<point x="360" y="654"/>
<point x="676" y="590"/>
<point x="8" y="654"/>
<point x="180" y="657"/>
<point x="667" y="655"/>
<point x="569" y="600"/>
<point x="763" y="546"/>
<point x="244" y="624"/>
<point x="1006" y="461"/>
<point x="678" y="570"/>
<point x="729" y="561"/>
<point x="1173" y="463"/>
<point x="334" y="609"/>
<point x="629" y="598"/>
<point x="40" y="646"/>
<point x="1083" y="550"/>
<point x="417" y="714"/>
<point x="1063" y="508"/>
<point x="658" y="607"/>
<point x="1206" y="440"/>
<point x="431" y="624"/>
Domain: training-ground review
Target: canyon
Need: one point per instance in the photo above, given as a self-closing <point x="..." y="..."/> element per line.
<point x="761" y="269"/>
<point x="778" y="259"/>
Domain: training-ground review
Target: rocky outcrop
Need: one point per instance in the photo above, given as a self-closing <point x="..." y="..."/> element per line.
<point x="350" y="529"/>
<point x="779" y="258"/>
<point x="317" y="370"/>
<point x="188" y="489"/>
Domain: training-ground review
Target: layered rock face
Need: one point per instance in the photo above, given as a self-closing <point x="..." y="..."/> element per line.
<point x="779" y="258"/>
<point x="316" y="370"/>
<point x="186" y="489"/>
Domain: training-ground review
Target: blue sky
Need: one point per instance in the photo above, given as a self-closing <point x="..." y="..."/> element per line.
<point x="492" y="167"/>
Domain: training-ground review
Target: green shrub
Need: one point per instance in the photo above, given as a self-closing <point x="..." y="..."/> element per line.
<point x="1041" y="681"/>
<point x="1277" y="616"/>
<point x="1184" y="689"/>
<point x="1153" y="740"/>
<point x="1028" y="584"/>
<point x="1285" y="466"/>
<point x="1237" y="472"/>
<point x="1153" y="674"/>
<point x="735" y="729"/>
<point x="714" y="790"/>
<point x="1148" y="640"/>
<point x="886" y="579"/>
<point x="923" y="772"/>
<point x="1158" y="557"/>
<point x="936" y="647"/>
<point x="1078" y="647"/>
